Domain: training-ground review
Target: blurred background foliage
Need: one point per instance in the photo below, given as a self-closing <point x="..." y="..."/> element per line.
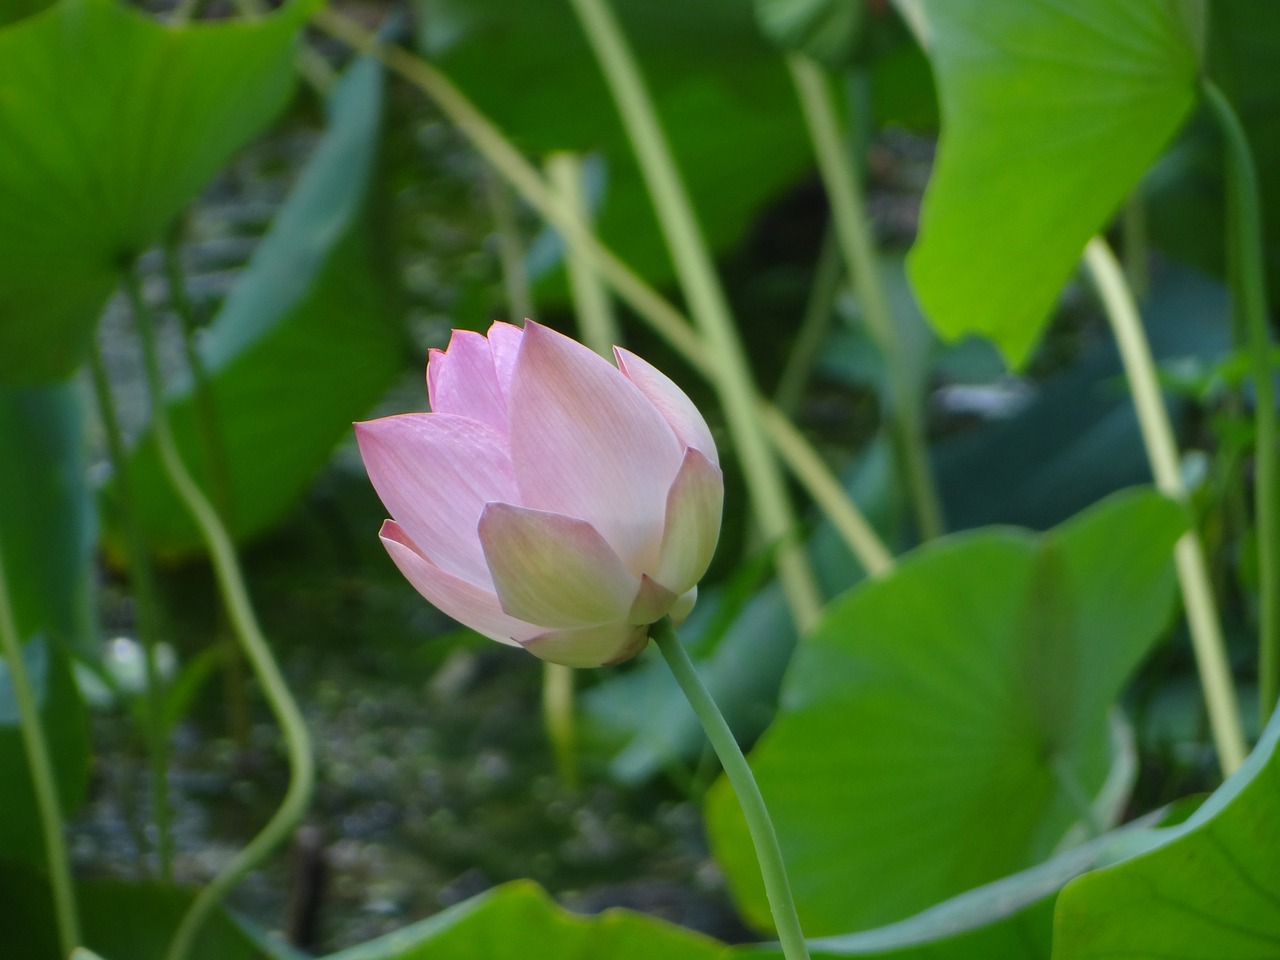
<point x="317" y="237"/>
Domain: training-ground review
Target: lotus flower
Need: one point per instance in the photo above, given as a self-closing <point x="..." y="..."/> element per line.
<point x="550" y="500"/>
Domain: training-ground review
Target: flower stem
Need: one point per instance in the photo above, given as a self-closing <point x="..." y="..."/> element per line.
<point x="515" y="279"/>
<point x="147" y="618"/>
<point x="648" y="304"/>
<point x="235" y="596"/>
<point x="596" y="318"/>
<point x="776" y="885"/>
<point x="1157" y="435"/>
<point x="43" y="780"/>
<point x="1250" y="291"/>
<point x="814" y="327"/>
<point x="730" y="371"/>
<point x="849" y="214"/>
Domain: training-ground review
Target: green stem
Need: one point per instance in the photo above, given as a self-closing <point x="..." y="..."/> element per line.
<point x="647" y="303"/>
<point x="813" y="327"/>
<point x="731" y="373"/>
<point x="1157" y="435"/>
<point x="769" y="854"/>
<point x="1136" y="247"/>
<point x="591" y="302"/>
<point x="235" y="596"/>
<point x="219" y="473"/>
<point x="147" y="614"/>
<point x="848" y="210"/>
<point x="515" y="280"/>
<point x="559" y="718"/>
<point x="1250" y="290"/>
<point x="42" y="777"/>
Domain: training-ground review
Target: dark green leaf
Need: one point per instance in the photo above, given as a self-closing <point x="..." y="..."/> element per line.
<point x="111" y="124"/>
<point x="1208" y="889"/>
<point x="307" y="341"/>
<point x="1051" y="112"/>
<point x="120" y="921"/>
<point x="935" y="726"/>
<point x="519" y="921"/>
<point x="46" y="512"/>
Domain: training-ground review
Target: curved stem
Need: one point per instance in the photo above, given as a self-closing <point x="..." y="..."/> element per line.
<point x="147" y="617"/>
<point x="218" y="471"/>
<point x="849" y="214"/>
<point x="43" y="781"/>
<point x="235" y="596"/>
<point x="1250" y="290"/>
<point x="769" y="854"/>
<point x="1157" y="435"/>
<point x="647" y="303"/>
<point x="731" y="373"/>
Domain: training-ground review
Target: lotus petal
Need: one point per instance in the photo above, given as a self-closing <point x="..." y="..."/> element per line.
<point x="470" y="605"/>
<point x="435" y="472"/>
<point x="586" y="443"/>
<point x="590" y="646"/>
<point x="694" y="507"/>
<point x="672" y="402"/>
<point x="554" y="570"/>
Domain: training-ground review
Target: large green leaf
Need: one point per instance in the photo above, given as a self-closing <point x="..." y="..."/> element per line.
<point x="1208" y="889"/>
<point x="1008" y="919"/>
<point x="1051" y="112"/>
<point x="46" y="539"/>
<point x="721" y="91"/>
<point x="46" y="511"/>
<point x="110" y="124"/>
<point x="120" y="921"/>
<point x="307" y="341"/>
<point x="941" y="726"/>
<point x="519" y="921"/>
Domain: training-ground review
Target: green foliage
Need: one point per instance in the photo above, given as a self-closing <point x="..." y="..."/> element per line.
<point x="519" y="920"/>
<point x="112" y="124"/>
<point x="46" y="539"/>
<point x="307" y="341"/>
<point x="66" y="728"/>
<point x="935" y="726"/>
<point x="1207" y="888"/>
<point x="121" y="921"/>
<point x="1185" y="191"/>
<point x="527" y="66"/>
<point x="1051" y="113"/>
<point x="826" y="30"/>
<point x="46" y="512"/>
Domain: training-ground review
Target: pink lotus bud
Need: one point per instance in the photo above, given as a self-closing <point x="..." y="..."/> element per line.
<point x="550" y="500"/>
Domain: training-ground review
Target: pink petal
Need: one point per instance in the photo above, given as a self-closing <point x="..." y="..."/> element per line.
<point x="676" y="408"/>
<point x="462" y="381"/>
<point x="554" y="570"/>
<point x="694" y="508"/>
<point x="586" y="443"/>
<point x="470" y="605"/>
<point x="591" y="646"/>
<point x="504" y="343"/>
<point x="435" y="472"/>
<point x="651" y="603"/>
